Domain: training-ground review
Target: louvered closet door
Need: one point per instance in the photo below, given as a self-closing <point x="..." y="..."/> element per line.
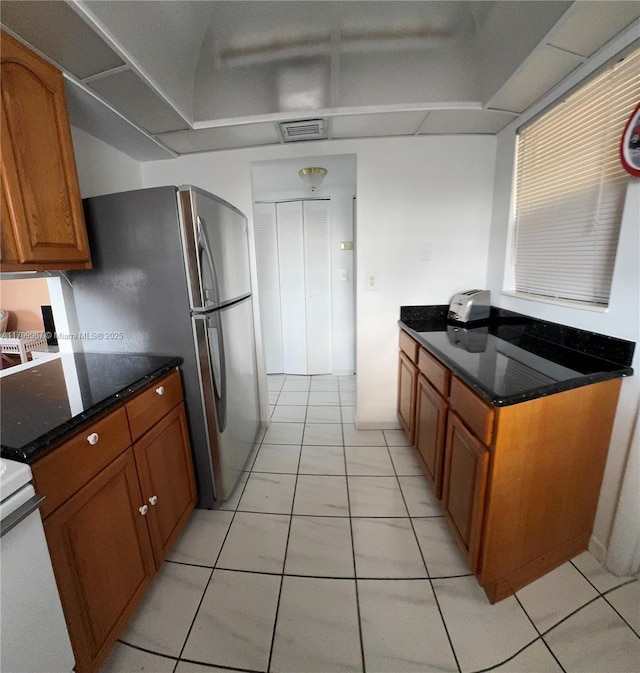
<point x="292" y="287"/>
<point x="317" y="268"/>
<point x="266" y="233"/>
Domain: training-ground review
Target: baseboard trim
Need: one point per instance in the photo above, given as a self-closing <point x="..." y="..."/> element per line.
<point x="597" y="549"/>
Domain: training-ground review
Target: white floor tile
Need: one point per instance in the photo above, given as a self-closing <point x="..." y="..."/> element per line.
<point x="402" y="629"/>
<point x="347" y="396"/>
<point x="322" y="460"/>
<point x="376" y="496"/>
<point x="386" y="548"/>
<point x="405" y="461"/>
<point x="348" y="413"/>
<point x="202" y="537"/>
<point x="317" y="628"/>
<point x="420" y="496"/>
<point x="281" y="458"/>
<point x="596" y="640"/>
<point x="323" y="415"/>
<point x="353" y="437"/>
<point x="536" y="658"/>
<point x="289" y="414"/>
<point x="396" y="438"/>
<point x="256" y="542"/>
<point x="130" y="660"/>
<point x="284" y="433"/>
<point x="324" y="398"/>
<point x="626" y="600"/>
<point x="273" y="396"/>
<point x="320" y="434"/>
<point x="439" y="548"/>
<point x="296" y="385"/>
<point x="270" y="493"/>
<point x="320" y="546"/>
<point x="235" y="621"/>
<point x="293" y="398"/>
<point x="324" y="385"/>
<point x="555" y="595"/>
<point x="161" y="622"/>
<point x="482" y="634"/>
<point x="231" y="503"/>
<point x="321" y="496"/>
<point x="368" y="461"/>
<point x="596" y="573"/>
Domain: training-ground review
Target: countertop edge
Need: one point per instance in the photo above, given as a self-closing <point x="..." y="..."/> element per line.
<point x="48" y="442"/>
<point x="496" y="401"/>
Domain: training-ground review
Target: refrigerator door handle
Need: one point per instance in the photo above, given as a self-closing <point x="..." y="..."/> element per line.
<point x="215" y="348"/>
<point x="204" y="251"/>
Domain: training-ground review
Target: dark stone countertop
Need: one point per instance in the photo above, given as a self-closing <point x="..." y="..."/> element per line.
<point x="43" y="405"/>
<point x="511" y="358"/>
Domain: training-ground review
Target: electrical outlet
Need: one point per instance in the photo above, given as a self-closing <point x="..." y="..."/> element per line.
<point x="343" y="274"/>
<point x="425" y="252"/>
<point x="372" y="282"/>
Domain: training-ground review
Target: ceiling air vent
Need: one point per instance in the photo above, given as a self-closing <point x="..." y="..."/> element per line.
<point x="304" y="129"/>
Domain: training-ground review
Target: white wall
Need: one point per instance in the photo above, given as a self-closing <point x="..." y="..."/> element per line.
<point x="622" y="319"/>
<point x="101" y="168"/>
<point x="435" y="190"/>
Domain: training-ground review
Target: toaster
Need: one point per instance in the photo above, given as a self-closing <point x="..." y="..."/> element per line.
<point x="470" y="306"/>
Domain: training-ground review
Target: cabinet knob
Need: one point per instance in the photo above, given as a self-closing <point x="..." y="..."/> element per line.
<point x="160" y="390"/>
<point x="143" y="510"/>
<point x="93" y="438"/>
<point x="153" y="499"/>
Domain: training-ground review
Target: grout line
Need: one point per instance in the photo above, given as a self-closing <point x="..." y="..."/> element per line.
<point x="353" y="548"/>
<point x="424" y="561"/>
<point x="613" y="607"/>
<point x="232" y="669"/>
<point x="284" y="561"/>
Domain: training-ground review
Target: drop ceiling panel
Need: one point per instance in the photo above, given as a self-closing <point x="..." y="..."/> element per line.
<point x="376" y="125"/>
<point x="590" y="25"/>
<point x="57" y="31"/>
<point x="131" y="96"/>
<point x="91" y="115"/>
<point x="543" y="70"/>
<point x="222" y="138"/>
<point x="466" y="121"/>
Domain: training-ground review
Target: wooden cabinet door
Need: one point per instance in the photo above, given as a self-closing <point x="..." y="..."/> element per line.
<point x="102" y="558"/>
<point x="39" y="179"/>
<point x="464" y="488"/>
<point x="407" y="376"/>
<point x="431" y="425"/>
<point x="165" y="469"/>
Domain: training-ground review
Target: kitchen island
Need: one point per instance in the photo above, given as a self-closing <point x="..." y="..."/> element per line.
<point x="511" y="420"/>
<point x="107" y="441"/>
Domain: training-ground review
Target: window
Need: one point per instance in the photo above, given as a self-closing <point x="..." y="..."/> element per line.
<point x="570" y="189"/>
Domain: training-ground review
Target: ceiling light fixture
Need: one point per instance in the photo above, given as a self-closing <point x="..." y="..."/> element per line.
<point x="312" y="176"/>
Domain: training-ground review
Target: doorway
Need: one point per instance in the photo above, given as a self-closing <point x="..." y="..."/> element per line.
<point x="304" y="244"/>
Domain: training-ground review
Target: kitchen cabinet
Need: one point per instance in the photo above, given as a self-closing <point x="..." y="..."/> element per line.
<point x="431" y="428"/>
<point x="407" y="380"/>
<point x="43" y="224"/>
<point x="465" y="484"/>
<point x="520" y="482"/>
<point x="116" y="502"/>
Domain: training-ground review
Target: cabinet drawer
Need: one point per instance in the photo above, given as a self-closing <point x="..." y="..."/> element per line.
<point x="475" y="412"/>
<point x="61" y="473"/>
<point x="436" y="373"/>
<point x="152" y="404"/>
<point x="409" y="346"/>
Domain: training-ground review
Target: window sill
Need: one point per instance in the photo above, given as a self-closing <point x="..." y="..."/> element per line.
<point x="567" y="303"/>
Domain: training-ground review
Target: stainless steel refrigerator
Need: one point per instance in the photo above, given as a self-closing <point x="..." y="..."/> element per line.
<point x="171" y="274"/>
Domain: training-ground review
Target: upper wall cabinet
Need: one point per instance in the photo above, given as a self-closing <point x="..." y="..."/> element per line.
<point x="43" y="224"/>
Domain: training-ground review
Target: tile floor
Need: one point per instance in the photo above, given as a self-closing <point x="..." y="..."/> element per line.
<point x="332" y="555"/>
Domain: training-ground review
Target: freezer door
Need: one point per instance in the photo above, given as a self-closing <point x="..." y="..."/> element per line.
<point x="217" y="249"/>
<point x="228" y="365"/>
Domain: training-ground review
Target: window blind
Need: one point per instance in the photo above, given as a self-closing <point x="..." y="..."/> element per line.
<point x="570" y="189"/>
